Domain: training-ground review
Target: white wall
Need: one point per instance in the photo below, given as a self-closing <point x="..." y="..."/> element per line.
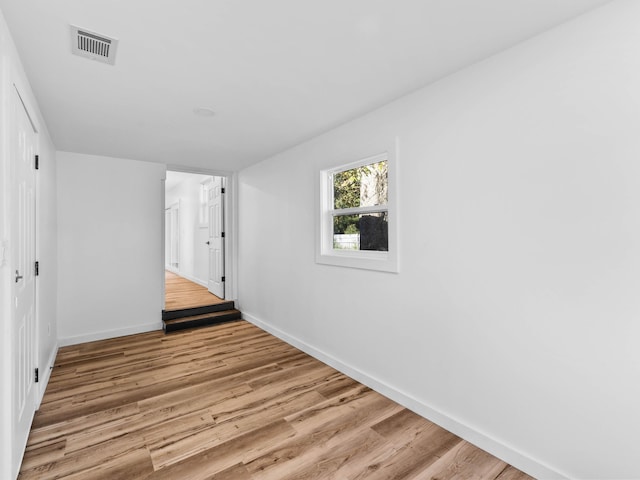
<point x="110" y="253"/>
<point x="194" y="263"/>
<point x="12" y="76"/>
<point x="514" y="318"/>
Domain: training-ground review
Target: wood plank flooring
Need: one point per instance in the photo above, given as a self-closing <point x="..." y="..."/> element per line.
<point x="181" y="293"/>
<point x="230" y="403"/>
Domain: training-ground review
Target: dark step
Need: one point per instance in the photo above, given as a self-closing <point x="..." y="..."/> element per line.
<point x="202" y="320"/>
<point x="189" y="312"/>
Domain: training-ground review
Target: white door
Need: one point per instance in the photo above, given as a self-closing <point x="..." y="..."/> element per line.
<point x="22" y="266"/>
<point x="216" y="237"/>
<point x="172" y="238"/>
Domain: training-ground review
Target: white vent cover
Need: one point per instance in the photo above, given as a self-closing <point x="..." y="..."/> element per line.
<point x="93" y="45"/>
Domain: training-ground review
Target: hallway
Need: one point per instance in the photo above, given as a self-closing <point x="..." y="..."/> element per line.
<point x="181" y="293"/>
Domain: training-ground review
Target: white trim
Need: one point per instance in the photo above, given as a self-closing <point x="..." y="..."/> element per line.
<point x="107" y="334"/>
<point x="192" y="279"/>
<point x="231" y="236"/>
<point x="230" y="183"/>
<point x="480" y="439"/>
<point x="6" y="326"/>
<point x="45" y="375"/>
<point x="368" y="260"/>
<point x="359" y="210"/>
<point x="173" y="208"/>
<point x="163" y="233"/>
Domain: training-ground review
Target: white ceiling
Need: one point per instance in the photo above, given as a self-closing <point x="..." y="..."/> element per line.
<point x="276" y="72"/>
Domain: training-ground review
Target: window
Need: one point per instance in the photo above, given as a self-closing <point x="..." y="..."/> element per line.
<point x="357" y="225"/>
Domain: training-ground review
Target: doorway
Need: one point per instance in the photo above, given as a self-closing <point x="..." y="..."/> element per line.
<point x="195" y="223"/>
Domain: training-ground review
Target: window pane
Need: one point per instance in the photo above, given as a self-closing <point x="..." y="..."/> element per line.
<point x="361" y="232"/>
<point x="364" y="186"/>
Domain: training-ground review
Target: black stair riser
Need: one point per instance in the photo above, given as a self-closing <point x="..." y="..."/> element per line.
<point x="190" y="312"/>
<point x="201" y="322"/>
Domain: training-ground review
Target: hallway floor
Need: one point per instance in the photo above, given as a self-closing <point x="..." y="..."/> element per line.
<point x="181" y="293"/>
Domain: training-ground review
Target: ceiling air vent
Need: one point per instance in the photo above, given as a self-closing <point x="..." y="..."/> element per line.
<point x="93" y="45"/>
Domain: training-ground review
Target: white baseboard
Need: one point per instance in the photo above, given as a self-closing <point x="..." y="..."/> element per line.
<point x="202" y="283"/>
<point x="486" y="442"/>
<point x="194" y="280"/>
<point x="106" y="334"/>
<point x="45" y="375"/>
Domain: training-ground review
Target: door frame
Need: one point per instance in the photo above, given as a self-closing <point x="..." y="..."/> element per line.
<point x="174" y="234"/>
<point x="230" y="226"/>
<point x="12" y="100"/>
<point x="216" y="236"/>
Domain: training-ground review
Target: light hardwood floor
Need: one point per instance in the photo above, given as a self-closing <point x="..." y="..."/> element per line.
<point x="230" y="403"/>
<point x="182" y="293"/>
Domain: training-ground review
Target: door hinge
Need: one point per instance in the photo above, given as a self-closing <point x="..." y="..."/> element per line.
<point x="222" y="190"/>
<point x="37" y="268"/>
<point x="222" y="234"/>
<point x="37" y="162"/>
<point x="37" y="375"/>
<point x="223" y="279"/>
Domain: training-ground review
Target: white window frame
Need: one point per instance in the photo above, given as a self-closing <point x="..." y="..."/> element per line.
<point x="364" y="259"/>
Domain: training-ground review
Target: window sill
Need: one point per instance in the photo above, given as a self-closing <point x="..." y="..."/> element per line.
<point x="379" y="261"/>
